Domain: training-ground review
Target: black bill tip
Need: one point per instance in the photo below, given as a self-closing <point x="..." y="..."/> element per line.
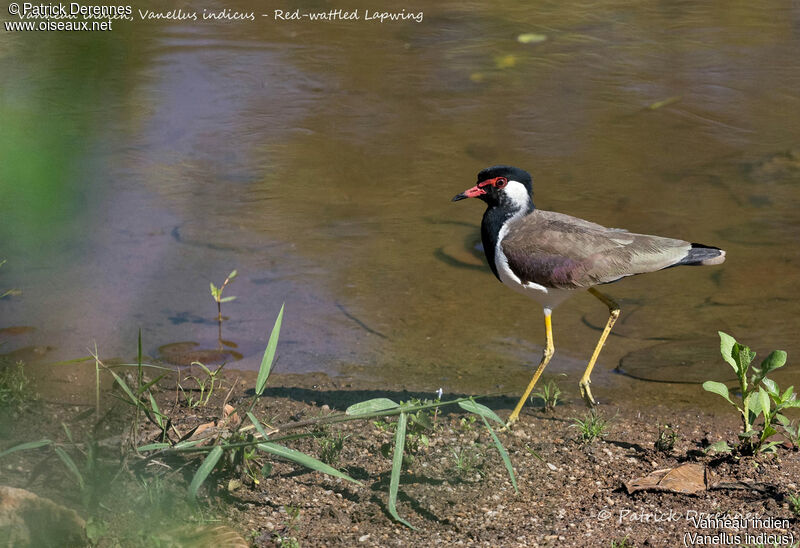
<point x="458" y="197"/>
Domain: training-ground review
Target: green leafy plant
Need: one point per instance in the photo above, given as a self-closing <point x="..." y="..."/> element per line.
<point x="667" y="436"/>
<point x="791" y="431"/>
<point x="216" y="293"/>
<point x="549" y="394"/>
<point x="758" y="397"/>
<point x="592" y="428"/>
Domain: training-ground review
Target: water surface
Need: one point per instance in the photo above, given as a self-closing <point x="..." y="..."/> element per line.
<point x="319" y="160"/>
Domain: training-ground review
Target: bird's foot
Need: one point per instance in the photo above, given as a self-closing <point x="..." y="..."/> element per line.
<point x="586" y="394"/>
<point x="510" y="422"/>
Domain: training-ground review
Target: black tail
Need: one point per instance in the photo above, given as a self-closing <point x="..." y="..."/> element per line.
<point x="702" y="255"/>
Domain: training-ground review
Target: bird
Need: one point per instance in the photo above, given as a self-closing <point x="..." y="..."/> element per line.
<point x="550" y="256"/>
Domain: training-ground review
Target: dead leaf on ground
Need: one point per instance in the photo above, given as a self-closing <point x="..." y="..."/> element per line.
<point x="686" y="478"/>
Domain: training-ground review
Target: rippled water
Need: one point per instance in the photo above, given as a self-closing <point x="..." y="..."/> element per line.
<point x="319" y="160"/>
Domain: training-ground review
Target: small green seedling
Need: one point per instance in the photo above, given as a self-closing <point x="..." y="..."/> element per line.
<point x="465" y="424"/>
<point x="284" y="537"/>
<point x="794" y="503"/>
<point x="759" y="397"/>
<point x="468" y="460"/>
<point x="420" y="425"/>
<point x="549" y="394"/>
<point x="592" y="428"/>
<point x="791" y="431"/>
<point x="330" y="447"/>
<point x="667" y="436"/>
<point x="205" y="383"/>
<point x="216" y="292"/>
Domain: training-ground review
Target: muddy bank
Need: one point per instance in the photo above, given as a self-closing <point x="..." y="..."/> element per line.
<point x="454" y="489"/>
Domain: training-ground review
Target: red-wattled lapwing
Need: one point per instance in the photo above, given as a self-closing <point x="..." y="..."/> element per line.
<point x="548" y="256"/>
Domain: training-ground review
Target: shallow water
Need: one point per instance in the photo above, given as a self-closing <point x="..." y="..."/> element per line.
<point x="319" y="160"/>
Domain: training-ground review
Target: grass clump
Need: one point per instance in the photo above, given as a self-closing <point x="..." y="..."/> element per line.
<point x="15" y="388"/>
<point x="467" y="461"/>
<point x="759" y="400"/>
<point x="591" y="428"/>
<point x="331" y="446"/>
<point x="549" y="394"/>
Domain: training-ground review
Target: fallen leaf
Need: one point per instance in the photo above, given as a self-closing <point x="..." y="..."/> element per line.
<point x="686" y="478"/>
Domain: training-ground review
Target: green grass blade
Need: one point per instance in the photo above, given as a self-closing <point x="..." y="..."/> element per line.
<point x="304" y="460"/>
<point x="153" y="447"/>
<point x="71" y="466"/>
<point x="67" y="431"/>
<point x="156" y="411"/>
<point x="118" y="365"/>
<point x="269" y="354"/>
<point x="205" y="469"/>
<point x="187" y="444"/>
<point x="503" y="454"/>
<point x="25" y="446"/>
<point x="397" y="467"/>
<point x="371" y="406"/>
<point x="257" y="424"/>
<point x="134" y="400"/>
<point x="145" y="387"/>
<point x="481" y="410"/>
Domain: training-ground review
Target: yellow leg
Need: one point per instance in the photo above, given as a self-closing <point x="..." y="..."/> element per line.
<point x="549" y="349"/>
<point x="613" y="311"/>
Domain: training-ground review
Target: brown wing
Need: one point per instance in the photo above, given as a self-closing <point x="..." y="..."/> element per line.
<point x="556" y="250"/>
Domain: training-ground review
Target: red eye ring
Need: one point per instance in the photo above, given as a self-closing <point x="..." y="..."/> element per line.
<point x="500" y="182"/>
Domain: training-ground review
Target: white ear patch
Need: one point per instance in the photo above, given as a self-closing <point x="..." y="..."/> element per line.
<point x="518" y="194"/>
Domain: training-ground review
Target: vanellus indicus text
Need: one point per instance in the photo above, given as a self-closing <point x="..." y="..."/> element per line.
<point x="548" y="256"/>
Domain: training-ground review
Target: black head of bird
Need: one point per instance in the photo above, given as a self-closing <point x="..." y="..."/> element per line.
<point x="501" y="185"/>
